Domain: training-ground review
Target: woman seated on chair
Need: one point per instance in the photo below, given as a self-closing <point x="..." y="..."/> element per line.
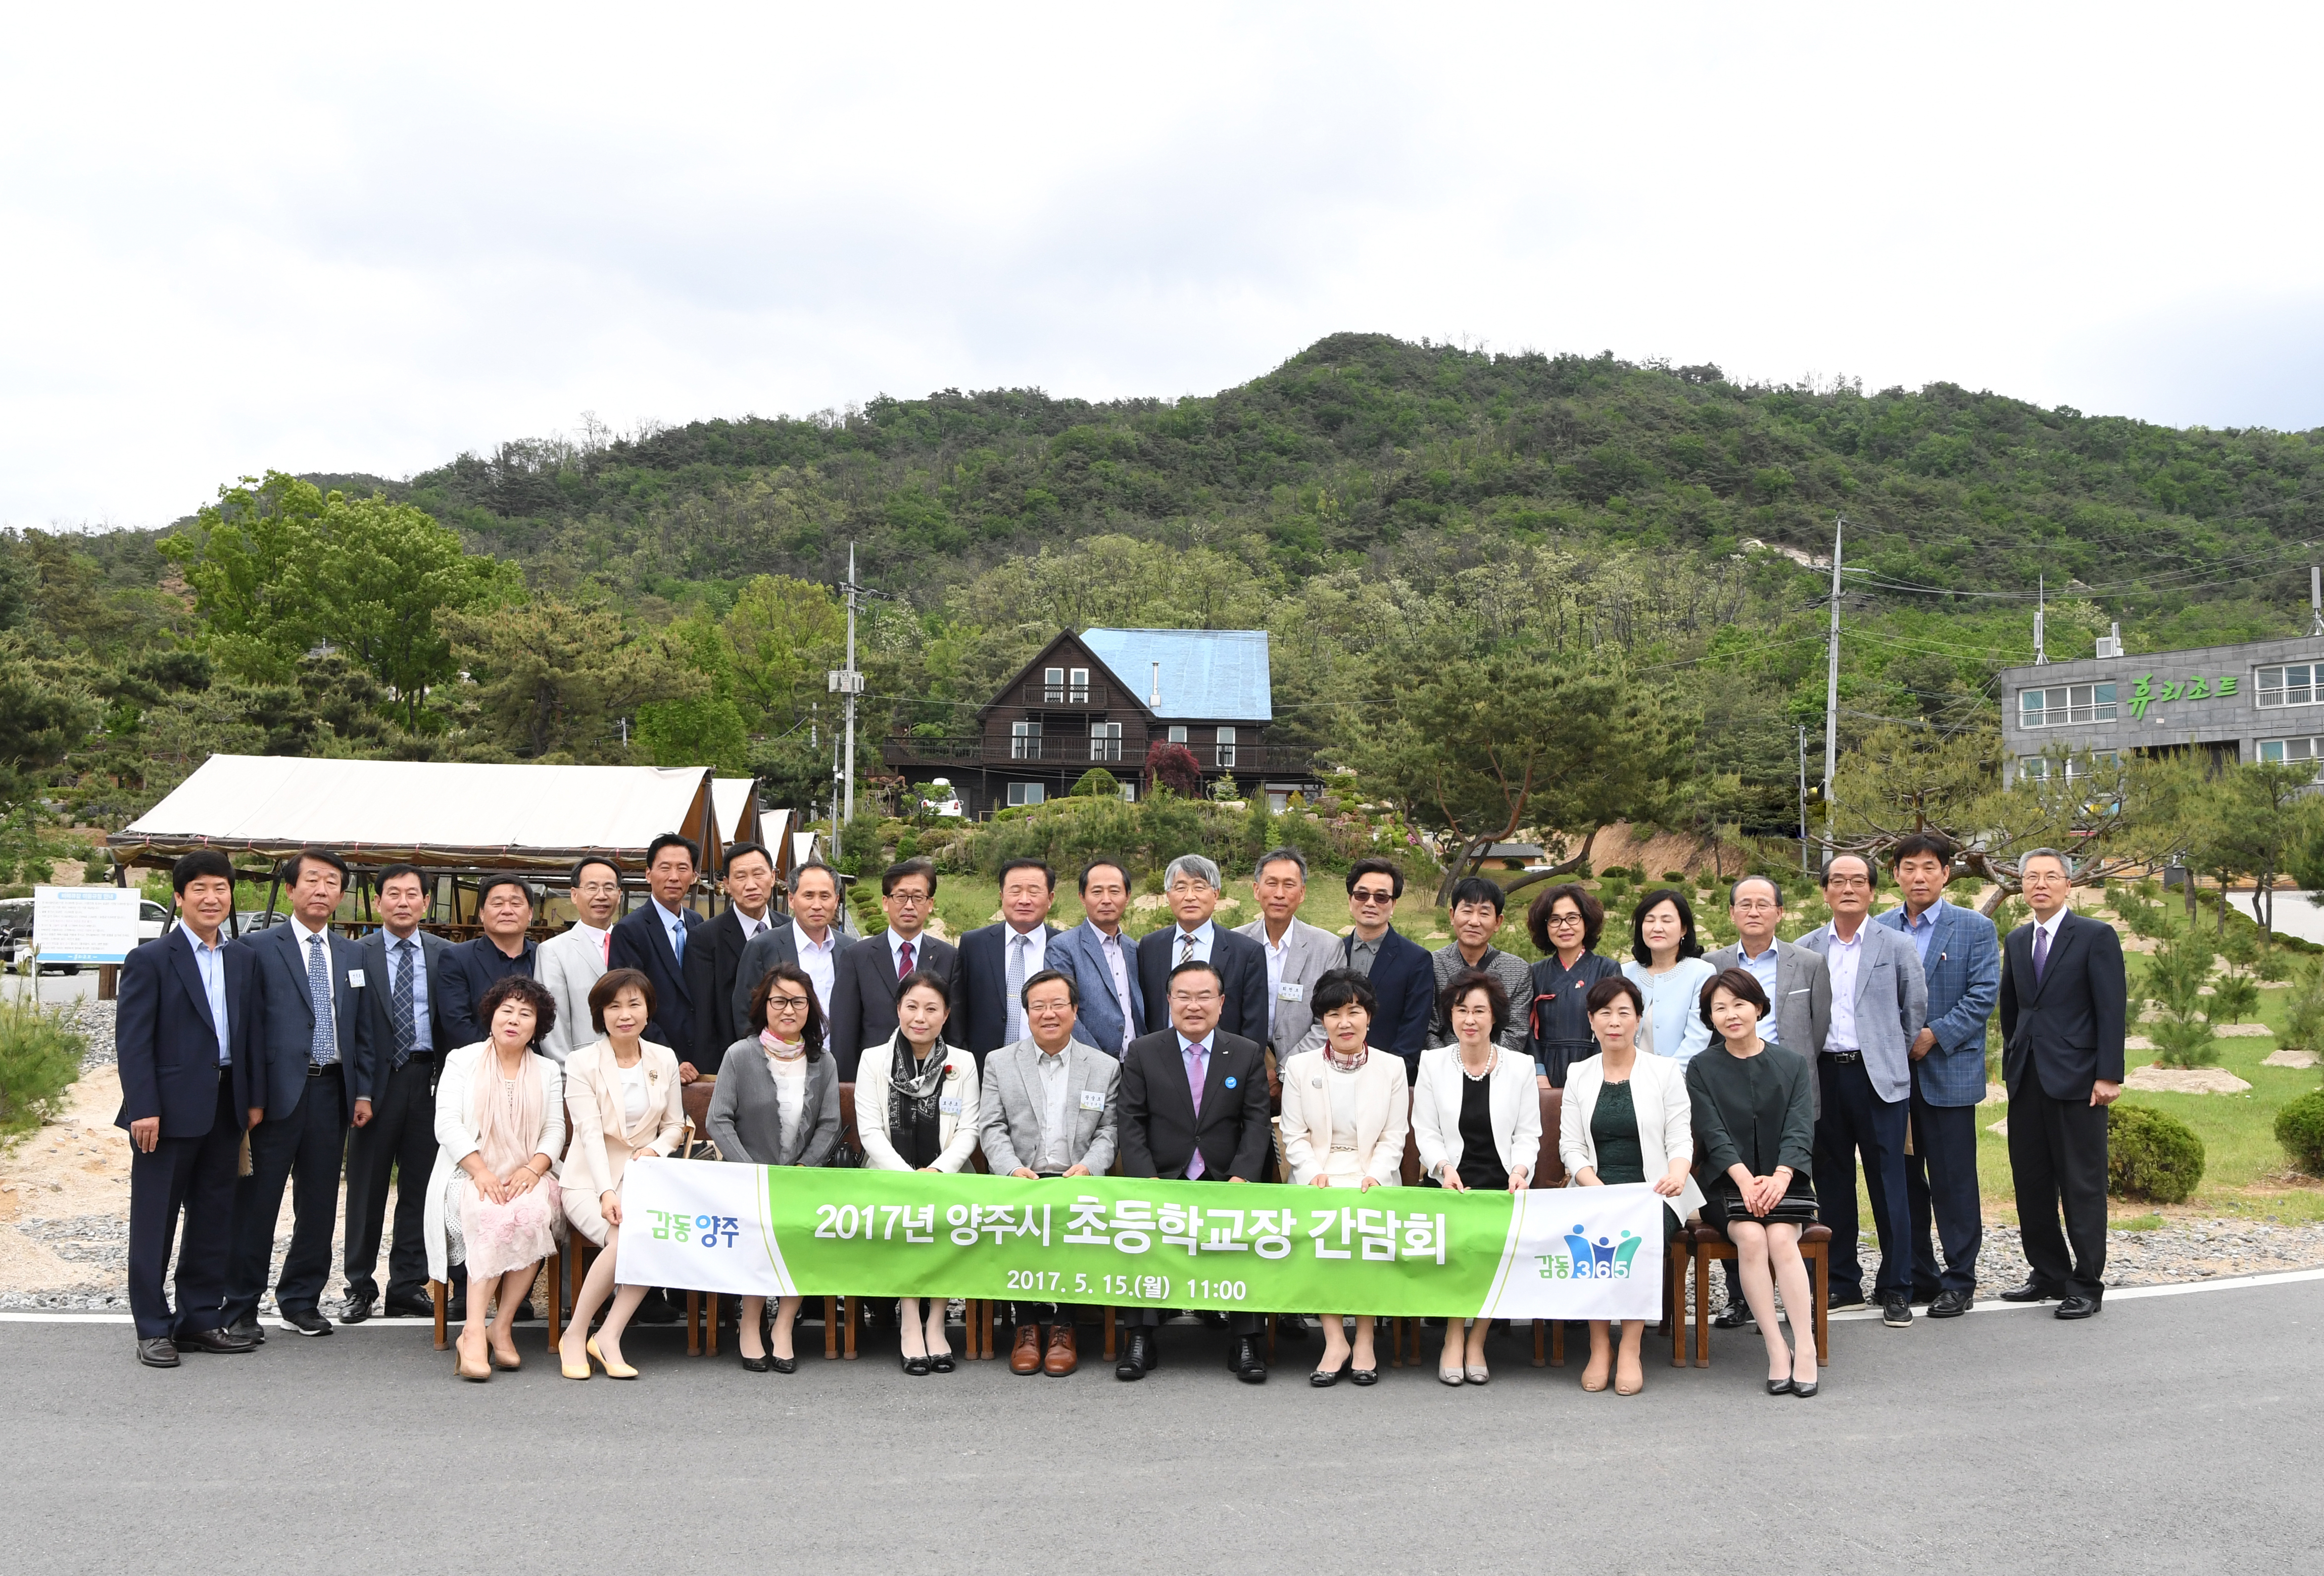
<point x="776" y="1104"/>
<point x="1626" y="1118"/>
<point x="1476" y="1119"/>
<point x="1754" y="1128"/>
<point x="621" y="1094"/>
<point x="492" y="1198"/>
<point x="915" y="1107"/>
<point x="1345" y="1110"/>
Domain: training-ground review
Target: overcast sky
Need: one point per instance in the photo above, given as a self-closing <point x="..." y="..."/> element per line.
<point x="316" y="241"/>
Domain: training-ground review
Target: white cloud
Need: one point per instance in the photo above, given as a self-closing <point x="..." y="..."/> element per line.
<point x="301" y="241"/>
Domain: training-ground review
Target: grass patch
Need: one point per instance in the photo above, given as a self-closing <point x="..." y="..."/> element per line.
<point x="40" y="1055"/>
<point x="2146" y="1222"/>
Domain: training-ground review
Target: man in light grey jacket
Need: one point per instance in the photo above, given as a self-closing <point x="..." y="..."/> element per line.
<point x="1879" y="1000"/>
<point x="1049" y="1109"/>
<point x="1297" y="954"/>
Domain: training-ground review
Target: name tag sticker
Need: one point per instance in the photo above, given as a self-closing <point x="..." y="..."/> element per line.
<point x="1292" y="991"/>
<point x="355" y="978"/>
<point x="1092" y="1099"/>
<point x="949" y="1105"/>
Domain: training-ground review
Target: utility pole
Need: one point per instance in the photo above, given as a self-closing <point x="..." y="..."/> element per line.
<point x="2041" y="612"/>
<point x="1831" y="691"/>
<point x="2316" y="599"/>
<point x="846" y="681"/>
<point x="1804" y="867"/>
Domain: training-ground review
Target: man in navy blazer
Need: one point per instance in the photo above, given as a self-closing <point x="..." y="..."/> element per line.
<point x="1104" y="962"/>
<point x="986" y="1014"/>
<point x="315" y="1031"/>
<point x="1402" y="971"/>
<point x="1193" y="885"/>
<point x="1961" y="957"/>
<point x="2064" y="1001"/>
<point x="504" y="910"/>
<point x="866" y="973"/>
<point x="652" y="939"/>
<point x="184" y="1036"/>
<point x="714" y="956"/>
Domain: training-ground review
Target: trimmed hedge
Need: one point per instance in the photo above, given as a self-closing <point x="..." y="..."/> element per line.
<point x="2151" y="1155"/>
<point x="2300" y="1129"/>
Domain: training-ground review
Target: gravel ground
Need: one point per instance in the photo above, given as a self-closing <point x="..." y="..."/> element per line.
<point x="95" y="1020"/>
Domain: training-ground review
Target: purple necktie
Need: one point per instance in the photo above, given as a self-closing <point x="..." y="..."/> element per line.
<point x="2041" y="952"/>
<point x="903" y="959"/>
<point x="1194" y="1067"/>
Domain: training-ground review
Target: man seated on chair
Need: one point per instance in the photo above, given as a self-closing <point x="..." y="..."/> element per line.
<point x="1049" y="1110"/>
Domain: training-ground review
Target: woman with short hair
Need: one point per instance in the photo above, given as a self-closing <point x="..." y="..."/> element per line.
<point x="621" y="1093"/>
<point x="1755" y="1128"/>
<point x="1565" y="922"/>
<point x="776" y="1104"/>
<point x="1668" y="968"/>
<point x="1346" y="1106"/>
<point x="492" y="1202"/>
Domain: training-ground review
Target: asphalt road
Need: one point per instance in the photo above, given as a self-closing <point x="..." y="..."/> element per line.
<point x="2179" y="1433"/>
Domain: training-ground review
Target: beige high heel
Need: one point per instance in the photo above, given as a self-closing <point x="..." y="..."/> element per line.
<point x="612" y="1370"/>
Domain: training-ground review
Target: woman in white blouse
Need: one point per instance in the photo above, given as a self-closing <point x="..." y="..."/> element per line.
<point x="1626" y="1117"/>
<point x="1668" y="968"/>
<point x="1345" y="1110"/>
<point x="776" y="1103"/>
<point x="492" y="1197"/>
<point x="622" y="1097"/>
<point x="916" y="1109"/>
<point x="1476" y="1119"/>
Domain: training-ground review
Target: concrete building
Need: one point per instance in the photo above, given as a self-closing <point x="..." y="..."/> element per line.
<point x="2260" y="701"/>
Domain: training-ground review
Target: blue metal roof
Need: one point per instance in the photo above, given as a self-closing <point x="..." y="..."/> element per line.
<point x="1207" y="675"/>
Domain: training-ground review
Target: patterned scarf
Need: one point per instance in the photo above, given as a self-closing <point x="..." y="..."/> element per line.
<point x="1348" y="1064"/>
<point x="914" y="1086"/>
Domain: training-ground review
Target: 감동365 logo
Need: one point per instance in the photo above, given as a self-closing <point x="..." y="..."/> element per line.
<point x="1604" y="1259"/>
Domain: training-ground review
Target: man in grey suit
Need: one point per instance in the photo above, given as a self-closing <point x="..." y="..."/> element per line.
<point x="1112" y="1005"/>
<point x="1796" y="980"/>
<point x="1048" y="1109"/>
<point x="1297" y="955"/>
<point x="1879" y="1000"/>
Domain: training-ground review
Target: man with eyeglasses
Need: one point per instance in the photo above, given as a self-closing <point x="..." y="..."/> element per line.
<point x="1403" y="975"/>
<point x="1879" y="1000"/>
<point x="1193" y="887"/>
<point x="1797" y="984"/>
<point x="570" y="963"/>
<point x="1193" y="1106"/>
<point x="866" y="976"/>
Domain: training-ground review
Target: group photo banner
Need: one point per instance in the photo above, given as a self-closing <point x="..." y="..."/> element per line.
<point x="767" y="1230"/>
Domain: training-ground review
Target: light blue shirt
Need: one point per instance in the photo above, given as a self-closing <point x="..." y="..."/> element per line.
<point x="1674" y="1007"/>
<point x="416" y="960"/>
<point x="674" y="926"/>
<point x="1923" y="928"/>
<point x="210" y="960"/>
<point x="1842" y="958"/>
<point x="1203" y="936"/>
<point x="1763" y="969"/>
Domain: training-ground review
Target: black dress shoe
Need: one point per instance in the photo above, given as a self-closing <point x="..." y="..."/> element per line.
<point x="1137" y="1355"/>
<point x="402" y="1310"/>
<point x="159" y="1352"/>
<point x="219" y="1341"/>
<point x="525" y="1314"/>
<point x="1896" y="1312"/>
<point x="2032" y="1291"/>
<point x="2076" y="1307"/>
<point x="1846" y="1297"/>
<point x="1952" y="1304"/>
<point x="1250" y="1366"/>
<point x="355" y="1310"/>
<point x="657" y="1310"/>
<point x="456" y="1311"/>
<point x="1735" y="1315"/>
<point x="306" y="1322"/>
<point x="1212" y="1317"/>
<point x="249" y="1330"/>
<point x="1293" y="1326"/>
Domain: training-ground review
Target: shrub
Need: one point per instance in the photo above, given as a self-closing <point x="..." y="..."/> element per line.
<point x="2300" y="1129"/>
<point x="1172" y="767"/>
<point x="2303" y="1017"/>
<point x="1097" y="782"/>
<point x="2151" y="1155"/>
<point x="2175" y="973"/>
<point x="40" y="1055"/>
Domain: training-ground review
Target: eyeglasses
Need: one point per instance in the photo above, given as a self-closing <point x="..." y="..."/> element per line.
<point x="1560" y="921"/>
<point x="907" y="899"/>
<point x="787" y="1004"/>
<point x="1194" y="998"/>
<point x="1371" y="896"/>
<point x="1760" y="906"/>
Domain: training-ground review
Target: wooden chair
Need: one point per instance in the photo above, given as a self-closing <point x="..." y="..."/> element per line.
<point x="694" y="1144"/>
<point x="844" y="1311"/>
<point x="439" y="1294"/>
<point x="1710" y="1244"/>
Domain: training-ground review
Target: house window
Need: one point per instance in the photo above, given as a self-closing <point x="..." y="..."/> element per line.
<point x="2067" y="702"/>
<point x="2302" y="684"/>
<point x="1077" y="687"/>
<point x="2307" y="753"/>
<point x="1053" y="685"/>
<point x="1226" y="747"/>
<point x="1026" y="793"/>
<point x="1024" y="741"/>
<point x="2041" y="768"/>
<point x="1130" y="793"/>
<point x="1105" y="740"/>
<point x="1178" y="735"/>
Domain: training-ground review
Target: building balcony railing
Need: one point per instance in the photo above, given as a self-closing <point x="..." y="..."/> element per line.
<point x="1037" y="692"/>
<point x="1070" y="750"/>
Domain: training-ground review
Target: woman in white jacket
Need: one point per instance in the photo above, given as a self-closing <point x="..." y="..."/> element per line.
<point x="493" y="1200"/>
<point x="1626" y="1117"/>
<point x="1476" y="1119"/>
<point x="1346" y="1108"/>
<point x="916" y="1109"/>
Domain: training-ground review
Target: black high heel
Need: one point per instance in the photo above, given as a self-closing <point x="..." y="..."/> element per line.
<point x="1807" y="1391"/>
<point x="1781" y="1386"/>
<point x="917" y="1367"/>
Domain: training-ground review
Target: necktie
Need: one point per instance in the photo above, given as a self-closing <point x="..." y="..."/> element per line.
<point x="677" y="938"/>
<point x="1016" y="977"/>
<point x="2041" y="952"/>
<point x="1185" y="947"/>
<point x="326" y="1048"/>
<point x="407" y="1032"/>
<point x="606" y="948"/>
<point x="1197" y="1057"/>
<point x="903" y="959"/>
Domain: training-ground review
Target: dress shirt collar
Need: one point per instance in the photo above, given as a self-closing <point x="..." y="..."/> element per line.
<point x="304" y="932"/>
<point x="2052" y="924"/>
<point x="1928" y="918"/>
<point x="1201" y="933"/>
<point x="1055" y="1059"/>
<point x="896" y="940"/>
<point x="586" y="928"/>
<point x="830" y="937"/>
<point x="1745" y="956"/>
<point x="752" y="924"/>
<point x="670" y="917"/>
<point x="1186" y="1044"/>
<point x="1851" y="942"/>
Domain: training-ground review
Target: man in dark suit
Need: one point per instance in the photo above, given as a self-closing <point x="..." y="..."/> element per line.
<point x="655" y="938"/>
<point x="190" y="1085"/>
<point x="813" y="939"/>
<point x="1403" y="973"/>
<point x="1191" y="885"/>
<point x="471" y="968"/>
<point x="315" y="1028"/>
<point x="864" y="991"/>
<point x="714" y="956"/>
<point x="396" y="1102"/>
<point x="2064" y="1001"/>
<point x="995" y="960"/>
<point x="1168" y="1131"/>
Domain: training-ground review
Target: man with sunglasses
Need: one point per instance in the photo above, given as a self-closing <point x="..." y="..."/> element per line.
<point x="1402" y="972"/>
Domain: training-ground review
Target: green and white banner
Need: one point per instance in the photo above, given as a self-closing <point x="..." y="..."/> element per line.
<point x="764" y="1231"/>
